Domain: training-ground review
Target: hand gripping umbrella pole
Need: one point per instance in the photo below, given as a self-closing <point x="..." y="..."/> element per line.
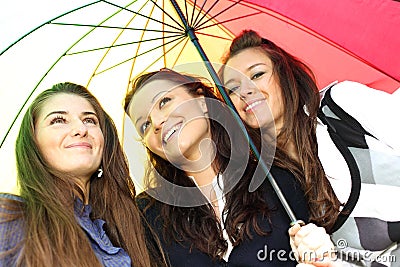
<point x="192" y="35"/>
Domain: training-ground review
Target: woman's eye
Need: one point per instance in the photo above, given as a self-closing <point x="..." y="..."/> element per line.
<point x="163" y="101"/>
<point x="233" y="89"/>
<point x="58" y="119"/>
<point x="257" y="75"/>
<point x="90" y="120"/>
<point x="144" y="127"/>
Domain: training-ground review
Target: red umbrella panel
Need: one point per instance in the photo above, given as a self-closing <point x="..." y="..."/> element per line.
<point x="339" y="40"/>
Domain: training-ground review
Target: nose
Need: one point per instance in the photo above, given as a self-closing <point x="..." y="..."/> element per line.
<point x="79" y="128"/>
<point x="247" y="88"/>
<point x="157" y="120"/>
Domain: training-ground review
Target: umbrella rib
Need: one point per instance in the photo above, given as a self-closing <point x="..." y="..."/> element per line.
<point x="141" y="37"/>
<point x="199" y="23"/>
<point x="186" y="10"/>
<point x="166" y="13"/>
<point x="198" y="13"/>
<point x="111" y="27"/>
<point x="166" y="52"/>
<point x="38" y="27"/>
<point x="115" y="40"/>
<point x="191" y="18"/>
<point x="180" y="53"/>
<point x="108" y="50"/>
<point x="163" y="27"/>
<point x="153" y="19"/>
<point x="225" y="21"/>
<point x="214" y="36"/>
<point x="124" y="44"/>
<point x="145" y="52"/>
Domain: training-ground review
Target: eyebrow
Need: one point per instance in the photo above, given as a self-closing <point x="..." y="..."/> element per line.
<point x="249" y="68"/>
<point x="65" y="112"/>
<point x="152" y="101"/>
<point x="156" y="95"/>
<point x="138" y="120"/>
<point x="55" y="112"/>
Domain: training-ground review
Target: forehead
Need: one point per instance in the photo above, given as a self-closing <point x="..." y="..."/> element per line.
<point x="65" y="102"/>
<point x="245" y="60"/>
<point x="148" y="94"/>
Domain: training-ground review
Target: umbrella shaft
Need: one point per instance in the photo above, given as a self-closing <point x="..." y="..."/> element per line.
<point x="190" y="32"/>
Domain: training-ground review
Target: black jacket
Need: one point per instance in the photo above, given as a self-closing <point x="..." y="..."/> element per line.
<point x="271" y="250"/>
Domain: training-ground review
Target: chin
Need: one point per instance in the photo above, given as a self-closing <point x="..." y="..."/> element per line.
<point x="253" y="123"/>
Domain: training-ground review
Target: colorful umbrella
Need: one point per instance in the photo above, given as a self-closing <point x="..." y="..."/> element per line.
<point x="104" y="44"/>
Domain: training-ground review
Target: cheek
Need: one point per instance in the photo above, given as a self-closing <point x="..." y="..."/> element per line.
<point x="237" y="102"/>
<point x="150" y="141"/>
<point x="101" y="144"/>
<point x="276" y="100"/>
<point x="51" y="153"/>
<point x="47" y="145"/>
<point x="265" y="90"/>
<point x="100" y="138"/>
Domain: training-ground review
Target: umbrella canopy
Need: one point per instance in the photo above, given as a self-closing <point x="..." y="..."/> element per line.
<point x="104" y="44"/>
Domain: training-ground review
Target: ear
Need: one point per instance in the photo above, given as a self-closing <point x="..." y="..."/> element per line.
<point x="202" y="99"/>
<point x="203" y="104"/>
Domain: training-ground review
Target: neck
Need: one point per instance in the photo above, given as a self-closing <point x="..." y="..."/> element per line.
<point x="84" y="186"/>
<point x="204" y="180"/>
<point x="269" y="135"/>
<point x="199" y="163"/>
<point x="291" y="150"/>
<point x="289" y="146"/>
<point x="203" y="177"/>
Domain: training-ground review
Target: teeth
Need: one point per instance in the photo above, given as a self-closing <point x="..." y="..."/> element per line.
<point x="253" y="105"/>
<point x="170" y="132"/>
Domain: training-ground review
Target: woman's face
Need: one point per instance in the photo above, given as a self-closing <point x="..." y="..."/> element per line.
<point x="254" y="90"/>
<point x="68" y="135"/>
<point x="170" y="120"/>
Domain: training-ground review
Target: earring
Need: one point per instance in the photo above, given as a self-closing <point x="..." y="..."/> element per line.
<point x="100" y="172"/>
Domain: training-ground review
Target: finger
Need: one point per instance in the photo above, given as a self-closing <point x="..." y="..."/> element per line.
<point x="326" y="251"/>
<point x="294" y="229"/>
<point x="309" y="228"/>
<point x="314" y="240"/>
<point x="326" y="264"/>
<point x="317" y="250"/>
<point x="312" y="236"/>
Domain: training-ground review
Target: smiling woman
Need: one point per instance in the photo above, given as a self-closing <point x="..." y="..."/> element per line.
<point x="68" y="134"/>
<point x="76" y="205"/>
<point x="338" y="141"/>
<point x="185" y="128"/>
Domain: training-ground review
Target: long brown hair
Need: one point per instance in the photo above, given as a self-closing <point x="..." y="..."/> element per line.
<point x="299" y="88"/>
<point x="198" y="225"/>
<point x="52" y="235"/>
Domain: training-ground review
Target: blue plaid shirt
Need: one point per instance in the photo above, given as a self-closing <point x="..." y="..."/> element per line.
<point x="11" y="233"/>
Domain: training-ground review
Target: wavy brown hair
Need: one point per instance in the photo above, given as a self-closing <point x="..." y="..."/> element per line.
<point x="198" y="225"/>
<point x="52" y="235"/>
<point x="299" y="88"/>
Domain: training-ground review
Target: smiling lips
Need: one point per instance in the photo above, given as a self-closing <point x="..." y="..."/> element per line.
<point x="80" y="144"/>
<point x="171" y="132"/>
<point x="250" y="107"/>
